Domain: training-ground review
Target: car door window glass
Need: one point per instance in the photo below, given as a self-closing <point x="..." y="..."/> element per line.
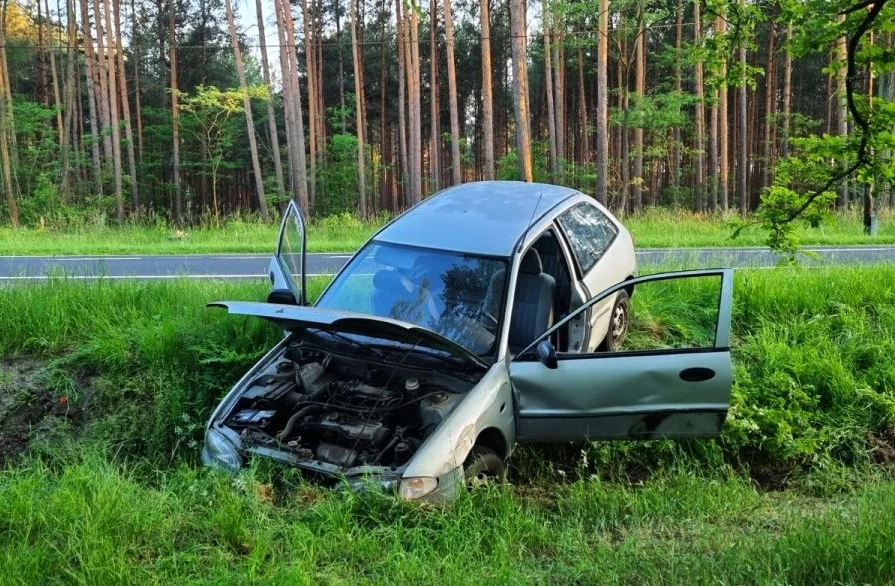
<point x="589" y="232"/>
<point x="667" y="312"/>
<point x="291" y="247"/>
<point x="673" y="314"/>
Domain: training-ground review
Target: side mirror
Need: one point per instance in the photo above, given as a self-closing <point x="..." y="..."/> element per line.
<point x="546" y="354"/>
<point x="282" y="297"/>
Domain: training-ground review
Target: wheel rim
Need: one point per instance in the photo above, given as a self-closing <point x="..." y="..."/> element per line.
<point x="619" y="323"/>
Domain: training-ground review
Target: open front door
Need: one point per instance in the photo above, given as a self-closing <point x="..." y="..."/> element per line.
<point x="670" y="379"/>
<point x="287" y="268"/>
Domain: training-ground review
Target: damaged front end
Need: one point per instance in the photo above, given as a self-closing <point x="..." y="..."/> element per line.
<point x="338" y="407"/>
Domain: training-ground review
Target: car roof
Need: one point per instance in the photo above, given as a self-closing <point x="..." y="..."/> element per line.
<point x="484" y="217"/>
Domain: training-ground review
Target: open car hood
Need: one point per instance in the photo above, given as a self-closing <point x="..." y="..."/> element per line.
<point x="297" y="317"/>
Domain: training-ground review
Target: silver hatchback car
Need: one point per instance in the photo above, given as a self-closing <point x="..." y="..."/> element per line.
<point x="490" y="313"/>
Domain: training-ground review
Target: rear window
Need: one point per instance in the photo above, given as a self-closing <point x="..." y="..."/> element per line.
<point x="589" y="232"/>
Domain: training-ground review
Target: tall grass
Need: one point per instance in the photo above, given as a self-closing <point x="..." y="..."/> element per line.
<point x="120" y="502"/>
<point x="97" y="523"/>
<point x="814" y="384"/>
<point x="664" y="227"/>
<point x="652" y="227"/>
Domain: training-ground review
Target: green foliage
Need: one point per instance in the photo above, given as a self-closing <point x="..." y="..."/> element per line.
<point x="814" y="382"/>
<point x="338" y="177"/>
<point x="90" y="521"/>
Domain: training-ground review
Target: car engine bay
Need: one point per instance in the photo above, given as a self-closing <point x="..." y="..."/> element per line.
<point x="341" y="412"/>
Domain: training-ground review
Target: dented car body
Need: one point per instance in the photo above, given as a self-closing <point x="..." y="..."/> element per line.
<point x="491" y="313"/>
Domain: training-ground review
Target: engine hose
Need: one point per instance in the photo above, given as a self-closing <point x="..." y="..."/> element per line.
<point x="388" y="446"/>
<point x="284" y="433"/>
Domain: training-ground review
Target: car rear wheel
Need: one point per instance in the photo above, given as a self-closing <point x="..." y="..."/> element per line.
<point x="483" y="466"/>
<point x="619" y="321"/>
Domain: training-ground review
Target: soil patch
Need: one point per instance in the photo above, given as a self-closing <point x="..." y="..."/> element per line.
<point x="31" y="412"/>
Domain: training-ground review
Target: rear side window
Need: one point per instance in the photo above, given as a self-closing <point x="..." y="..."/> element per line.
<point x="589" y="232"/>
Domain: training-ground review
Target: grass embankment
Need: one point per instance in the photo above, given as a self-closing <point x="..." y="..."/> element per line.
<point x="96" y="523"/>
<point x="123" y="375"/>
<point x="652" y="228"/>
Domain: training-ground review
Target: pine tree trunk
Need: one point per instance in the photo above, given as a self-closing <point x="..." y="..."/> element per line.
<point x="57" y="96"/>
<point x="93" y="106"/>
<point x="584" y="146"/>
<point x="770" y="102"/>
<point x="359" y="109"/>
<point x="321" y="102"/>
<point x="271" y="114"/>
<point x="385" y="196"/>
<point x="42" y="55"/>
<point x="787" y="91"/>
<point x="723" y="141"/>
<point x="714" y="153"/>
<point x="699" y="186"/>
<point x="520" y="87"/>
<point x="311" y="68"/>
<point x="639" y="91"/>
<point x="842" y="110"/>
<point x="102" y="76"/>
<point x="6" y="127"/>
<point x="487" y="93"/>
<point x="113" y="111"/>
<point x="70" y="102"/>
<point x="676" y="158"/>
<point x="559" y="103"/>
<point x="125" y="108"/>
<point x="456" y="163"/>
<point x="548" y="80"/>
<point x="434" y="109"/>
<point x="338" y="18"/>
<point x="742" y="164"/>
<point x="402" y="101"/>
<point x="247" y="106"/>
<point x="290" y="79"/>
<point x="414" y="147"/>
<point x="175" y="116"/>
<point x="602" y="146"/>
<point x="138" y="114"/>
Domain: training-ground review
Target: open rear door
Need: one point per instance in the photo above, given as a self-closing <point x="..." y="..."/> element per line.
<point x="670" y="379"/>
<point x="287" y="268"/>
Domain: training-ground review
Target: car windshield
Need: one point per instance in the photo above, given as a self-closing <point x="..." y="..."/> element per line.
<point x="459" y="296"/>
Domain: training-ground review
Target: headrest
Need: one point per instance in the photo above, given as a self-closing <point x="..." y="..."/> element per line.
<point x="531" y="263"/>
<point x="390" y="281"/>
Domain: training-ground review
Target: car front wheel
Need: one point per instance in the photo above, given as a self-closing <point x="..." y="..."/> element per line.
<point x="482" y="466"/>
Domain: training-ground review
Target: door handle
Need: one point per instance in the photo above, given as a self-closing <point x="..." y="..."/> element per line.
<point x="697" y="374"/>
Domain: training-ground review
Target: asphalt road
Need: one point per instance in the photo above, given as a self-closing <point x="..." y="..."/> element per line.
<point x="250" y="266"/>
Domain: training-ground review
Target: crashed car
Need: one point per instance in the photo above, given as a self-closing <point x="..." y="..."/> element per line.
<point x="489" y="314"/>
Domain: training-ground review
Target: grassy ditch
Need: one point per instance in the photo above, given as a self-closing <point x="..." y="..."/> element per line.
<point x="138" y="366"/>
<point x="654" y="227"/>
<point x="105" y="387"/>
<point x="98" y="523"/>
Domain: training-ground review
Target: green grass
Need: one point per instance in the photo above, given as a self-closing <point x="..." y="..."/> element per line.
<point x="659" y="228"/>
<point x="94" y="522"/>
<point x="814" y="384"/>
<point x="110" y="492"/>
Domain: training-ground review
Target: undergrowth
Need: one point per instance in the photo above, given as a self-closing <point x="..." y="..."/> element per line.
<point x="814" y="384"/>
<point x="98" y="523"/>
<point x="651" y="227"/>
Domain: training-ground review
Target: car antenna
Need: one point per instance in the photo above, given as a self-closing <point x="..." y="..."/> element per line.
<point x="530" y="220"/>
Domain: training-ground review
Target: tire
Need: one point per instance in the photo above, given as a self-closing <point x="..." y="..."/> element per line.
<point x="619" y="322"/>
<point x="482" y="466"/>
